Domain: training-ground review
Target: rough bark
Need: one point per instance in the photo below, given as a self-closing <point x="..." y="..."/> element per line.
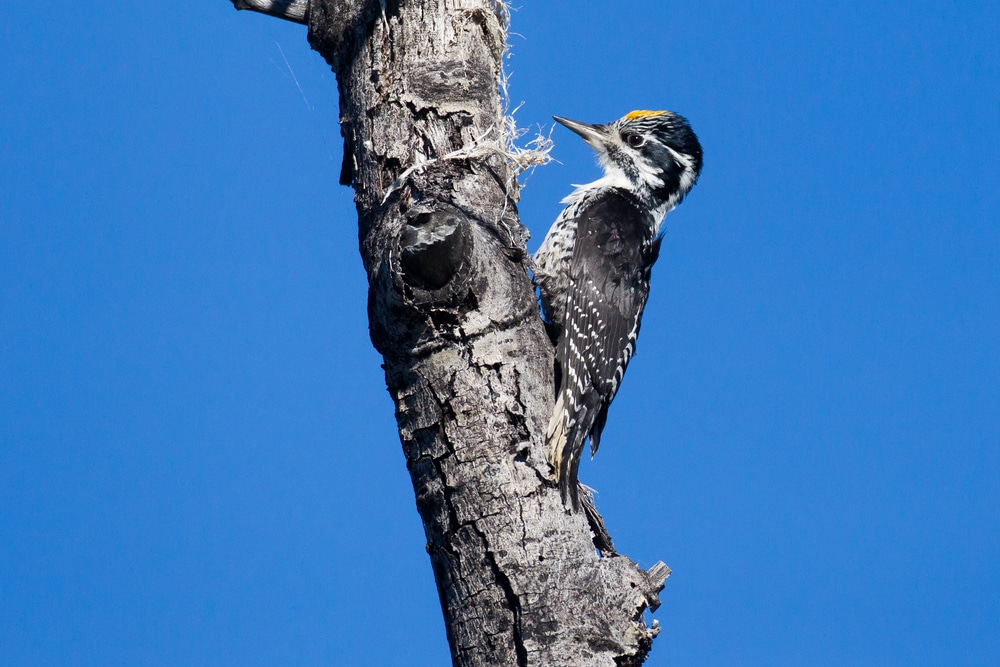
<point x="467" y="362"/>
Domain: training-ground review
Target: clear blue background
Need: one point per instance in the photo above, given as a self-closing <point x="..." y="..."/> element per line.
<point x="198" y="459"/>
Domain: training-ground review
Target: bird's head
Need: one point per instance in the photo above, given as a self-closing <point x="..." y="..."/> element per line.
<point x="653" y="153"/>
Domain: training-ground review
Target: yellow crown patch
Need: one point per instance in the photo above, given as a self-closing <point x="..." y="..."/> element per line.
<point x="635" y="115"/>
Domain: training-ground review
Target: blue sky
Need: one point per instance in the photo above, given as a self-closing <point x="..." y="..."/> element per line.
<point x="198" y="459"/>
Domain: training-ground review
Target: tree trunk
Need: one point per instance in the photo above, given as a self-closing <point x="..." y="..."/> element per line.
<point x="467" y="361"/>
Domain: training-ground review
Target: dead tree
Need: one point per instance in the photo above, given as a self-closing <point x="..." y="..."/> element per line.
<point x="452" y="311"/>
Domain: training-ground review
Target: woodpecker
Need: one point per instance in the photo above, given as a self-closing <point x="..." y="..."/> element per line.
<point x="593" y="271"/>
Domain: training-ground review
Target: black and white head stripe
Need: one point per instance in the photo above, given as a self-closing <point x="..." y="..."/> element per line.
<point x="660" y="153"/>
<point x="654" y="154"/>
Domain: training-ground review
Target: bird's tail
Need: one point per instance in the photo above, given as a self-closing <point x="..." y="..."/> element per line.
<point x="565" y="446"/>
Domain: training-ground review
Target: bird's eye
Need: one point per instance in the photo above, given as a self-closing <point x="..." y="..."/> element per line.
<point x="635" y="140"/>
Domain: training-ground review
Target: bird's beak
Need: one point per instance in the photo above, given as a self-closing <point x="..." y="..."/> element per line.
<point x="595" y="135"/>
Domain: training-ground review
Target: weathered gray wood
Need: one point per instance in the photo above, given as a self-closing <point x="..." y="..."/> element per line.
<point x="290" y="10"/>
<point x="466" y="357"/>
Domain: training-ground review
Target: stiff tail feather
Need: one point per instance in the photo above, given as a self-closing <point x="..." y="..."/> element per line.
<point x="565" y="446"/>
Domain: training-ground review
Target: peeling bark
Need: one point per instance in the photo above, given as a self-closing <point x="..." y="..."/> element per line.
<point x="467" y="361"/>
